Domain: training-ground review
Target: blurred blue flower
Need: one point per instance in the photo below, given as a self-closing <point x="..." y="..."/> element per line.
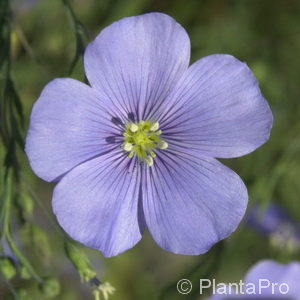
<point x="277" y="224"/>
<point x="137" y="148"/>
<point x="283" y="279"/>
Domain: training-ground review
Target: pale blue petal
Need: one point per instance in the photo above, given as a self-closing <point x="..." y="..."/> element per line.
<point x="216" y="109"/>
<point x="68" y="126"/>
<point x="97" y="203"/>
<point x="191" y="203"/>
<point x="137" y="60"/>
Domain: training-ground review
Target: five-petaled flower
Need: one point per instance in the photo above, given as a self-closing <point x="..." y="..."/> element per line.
<point x="136" y="149"/>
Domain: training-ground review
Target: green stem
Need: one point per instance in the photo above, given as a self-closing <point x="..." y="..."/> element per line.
<point x="6" y="205"/>
<point x="23" y="259"/>
<point x="80" y="35"/>
<point x="12" y="290"/>
<point x="6" y="230"/>
<point x="10" y="108"/>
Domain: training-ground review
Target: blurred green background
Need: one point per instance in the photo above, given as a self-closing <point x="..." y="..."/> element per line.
<point x="263" y="33"/>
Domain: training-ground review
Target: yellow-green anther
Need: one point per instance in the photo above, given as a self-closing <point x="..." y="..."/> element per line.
<point x="128" y="147"/>
<point x="134" y="127"/>
<point x="155" y="126"/>
<point x="149" y="161"/>
<point x="131" y="154"/>
<point x="153" y="154"/>
<point x="163" y="145"/>
<point x="141" y="139"/>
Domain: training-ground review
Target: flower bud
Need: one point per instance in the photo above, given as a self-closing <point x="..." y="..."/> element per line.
<point x="40" y="242"/>
<point x="80" y="261"/>
<point x="50" y="287"/>
<point x="7" y="267"/>
<point x="24" y="274"/>
<point x="26" y="205"/>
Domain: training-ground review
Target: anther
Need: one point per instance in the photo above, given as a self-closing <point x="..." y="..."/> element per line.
<point x="128" y="147"/>
<point x="163" y="145"/>
<point x="134" y="127"/>
<point x="131" y="154"/>
<point x="155" y="126"/>
<point x="153" y="154"/>
<point x="142" y="139"/>
<point x="149" y="161"/>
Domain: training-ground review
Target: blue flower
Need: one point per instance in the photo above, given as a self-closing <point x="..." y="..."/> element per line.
<point x="275" y="223"/>
<point x="268" y="280"/>
<point x="136" y="149"/>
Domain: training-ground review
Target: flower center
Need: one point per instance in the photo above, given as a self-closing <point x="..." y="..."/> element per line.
<point x="143" y="139"/>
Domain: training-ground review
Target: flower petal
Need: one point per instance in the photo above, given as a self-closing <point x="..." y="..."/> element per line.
<point x="190" y="203"/>
<point x="137" y="60"/>
<point x="276" y="273"/>
<point x="97" y="203"/>
<point x="68" y="126"/>
<point x="217" y="109"/>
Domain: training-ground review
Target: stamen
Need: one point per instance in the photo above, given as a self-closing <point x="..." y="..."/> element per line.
<point x="141" y="139"/>
<point x="131" y="154"/>
<point x="155" y="126"/>
<point x="128" y="147"/>
<point x="134" y="127"/>
<point x="149" y="161"/>
<point x="163" y="145"/>
<point x="153" y="154"/>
